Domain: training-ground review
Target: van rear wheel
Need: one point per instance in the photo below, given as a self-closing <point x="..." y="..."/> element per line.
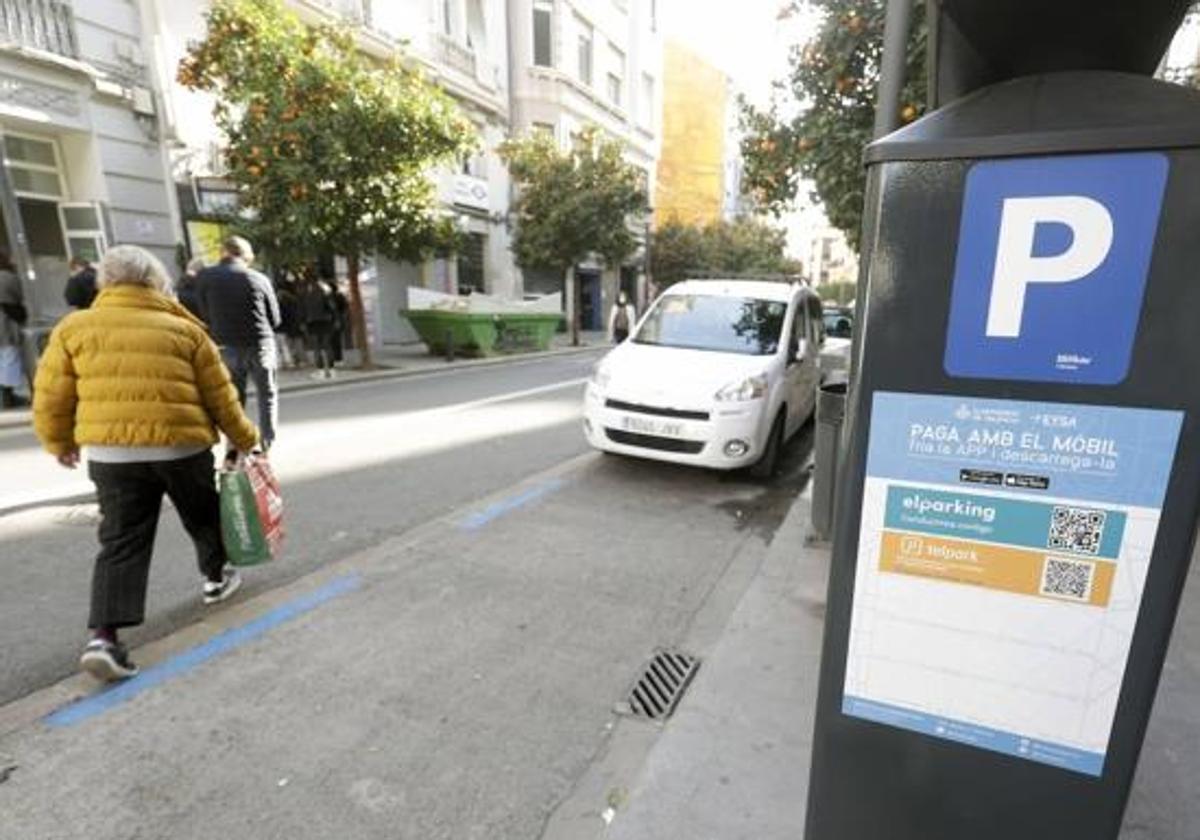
<point x="765" y="467"/>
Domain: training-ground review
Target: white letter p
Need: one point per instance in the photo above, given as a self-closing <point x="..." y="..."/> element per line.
<point x="1016" y="266"/>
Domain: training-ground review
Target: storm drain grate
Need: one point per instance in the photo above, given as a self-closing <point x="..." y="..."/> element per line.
<point x="661" y="685"/>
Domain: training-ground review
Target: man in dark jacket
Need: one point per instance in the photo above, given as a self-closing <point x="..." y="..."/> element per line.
<point x="81" y="285"/>
<point x="242" y="313"/>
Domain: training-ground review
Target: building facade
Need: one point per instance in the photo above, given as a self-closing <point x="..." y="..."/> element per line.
<point x="462" y="46"/>
<point x="84" y="159"/>
<point x="580" y="63"/>
<point x="700" y="167"/>
<point x="691" y="170"/>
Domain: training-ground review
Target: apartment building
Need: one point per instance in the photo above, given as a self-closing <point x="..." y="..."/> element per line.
<point x="84" y="162"/>
<point x="577" y="63"/>
<point x="462" y="46"/>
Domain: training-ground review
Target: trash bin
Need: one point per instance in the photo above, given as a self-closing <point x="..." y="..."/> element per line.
<point x="831" y="408"/>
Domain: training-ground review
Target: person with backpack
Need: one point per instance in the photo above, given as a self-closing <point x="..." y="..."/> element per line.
<point x="13" y="316"/>
<point x="621" y="319"/>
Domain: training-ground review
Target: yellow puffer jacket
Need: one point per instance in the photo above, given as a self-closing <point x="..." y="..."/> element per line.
<point x="136" y="369"/>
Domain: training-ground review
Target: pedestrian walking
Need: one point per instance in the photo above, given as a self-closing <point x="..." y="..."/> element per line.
<point x="320" y="320"/>
<point x="242" y="313"/>
<point x="81" y="285"/>
<point x="341" y="323"/>
<point x="188" y="290"/>
<point x="13" y="316"/>
<point x="136" y="381"/>
<point x="621" y="319"/>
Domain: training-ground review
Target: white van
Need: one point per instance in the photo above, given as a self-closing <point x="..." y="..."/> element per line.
<point x="717" y="373"/>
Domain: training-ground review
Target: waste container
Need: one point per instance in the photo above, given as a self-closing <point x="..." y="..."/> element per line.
<point x="831" y="408"/>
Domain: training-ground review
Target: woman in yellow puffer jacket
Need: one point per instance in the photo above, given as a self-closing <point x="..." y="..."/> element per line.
<point x="136" y="381"/>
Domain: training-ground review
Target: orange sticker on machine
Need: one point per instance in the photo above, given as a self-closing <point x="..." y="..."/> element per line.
<point x="1017" y="570"/>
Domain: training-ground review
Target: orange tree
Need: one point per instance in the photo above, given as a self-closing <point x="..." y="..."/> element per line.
<point x="331" y="151"/>
<point x="573" y="203"/>
<point x="817" y="130"/>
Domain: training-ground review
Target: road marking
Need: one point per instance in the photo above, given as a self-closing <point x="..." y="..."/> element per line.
<point x="222" y="643"/>
<point x="497" y="509"/>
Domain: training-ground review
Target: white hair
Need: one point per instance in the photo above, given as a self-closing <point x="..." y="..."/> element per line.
<point x="129" y="265"/>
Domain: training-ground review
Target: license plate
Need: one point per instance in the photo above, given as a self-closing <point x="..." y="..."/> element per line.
<point x="660" y="428"/>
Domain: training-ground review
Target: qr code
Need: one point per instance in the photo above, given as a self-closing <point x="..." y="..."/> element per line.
<point x="1076" y="529"/>
<point x="1063" y="578"/>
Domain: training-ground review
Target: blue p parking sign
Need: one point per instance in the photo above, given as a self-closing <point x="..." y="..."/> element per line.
<point x="1053" y="255"/>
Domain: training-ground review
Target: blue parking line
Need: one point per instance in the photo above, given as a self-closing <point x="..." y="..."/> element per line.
<point x="155" y="675"/>
<point x="494" y="511"/>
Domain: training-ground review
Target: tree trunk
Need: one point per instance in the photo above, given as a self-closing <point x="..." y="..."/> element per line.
<point x="358" y="317"/>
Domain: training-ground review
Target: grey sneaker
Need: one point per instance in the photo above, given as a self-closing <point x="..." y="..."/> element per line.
<point x="217" y="591"/>
<point x="107" y="661"/>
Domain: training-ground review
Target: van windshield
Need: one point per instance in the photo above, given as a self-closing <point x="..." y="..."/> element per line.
<point x="749" y="326"/>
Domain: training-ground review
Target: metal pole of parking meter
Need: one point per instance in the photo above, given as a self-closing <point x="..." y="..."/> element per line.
<point x="831" y="399"/>
<point x="897" y="23"/>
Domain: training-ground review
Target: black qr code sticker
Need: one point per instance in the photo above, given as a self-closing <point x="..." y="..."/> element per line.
<point x="1078" y="530"/>
<point x="1065" y="578"/>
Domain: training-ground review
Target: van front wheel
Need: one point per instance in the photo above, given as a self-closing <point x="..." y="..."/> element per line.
<point x="765" y="467"/>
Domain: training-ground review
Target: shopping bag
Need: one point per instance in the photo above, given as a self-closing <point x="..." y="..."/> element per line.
<point x="251" y="512"/>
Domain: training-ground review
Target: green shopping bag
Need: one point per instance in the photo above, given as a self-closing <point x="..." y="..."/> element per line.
<point x="251" y="512"/>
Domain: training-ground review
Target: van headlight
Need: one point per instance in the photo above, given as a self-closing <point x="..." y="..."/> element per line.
<point x="600" y="376"/>
<point x="751" y="388"/>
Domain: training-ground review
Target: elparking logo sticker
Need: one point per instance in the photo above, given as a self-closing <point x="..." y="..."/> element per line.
<point x="1053" y="256"/>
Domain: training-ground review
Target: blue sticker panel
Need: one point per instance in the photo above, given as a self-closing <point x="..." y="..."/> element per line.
<point x="1106" y="454"/>
<point x="1056" y="296"/>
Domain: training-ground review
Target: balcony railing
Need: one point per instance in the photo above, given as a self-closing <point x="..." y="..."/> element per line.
<point x="453" y="54"/>
<point x="45" y="25"/>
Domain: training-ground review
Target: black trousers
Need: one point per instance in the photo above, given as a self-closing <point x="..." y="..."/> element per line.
<point x="130" y="498"/>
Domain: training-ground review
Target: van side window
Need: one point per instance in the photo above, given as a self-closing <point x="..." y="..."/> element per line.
<point x="816" y="317"/>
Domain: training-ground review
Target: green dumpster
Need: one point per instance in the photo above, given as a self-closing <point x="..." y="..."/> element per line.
<point x="483" y="333"/>
<point x="472" y="333"/>
<point x="524" y="331"/>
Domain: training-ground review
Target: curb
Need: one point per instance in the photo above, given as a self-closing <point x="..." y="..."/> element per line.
<point x="23" y="417"/>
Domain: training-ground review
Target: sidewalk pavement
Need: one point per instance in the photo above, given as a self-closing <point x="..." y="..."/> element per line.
<point x="732" y="764"/>
<point x="392" y="362"/>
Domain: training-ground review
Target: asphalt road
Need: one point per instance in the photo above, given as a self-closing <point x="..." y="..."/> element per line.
<point x="360" y="464"/>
